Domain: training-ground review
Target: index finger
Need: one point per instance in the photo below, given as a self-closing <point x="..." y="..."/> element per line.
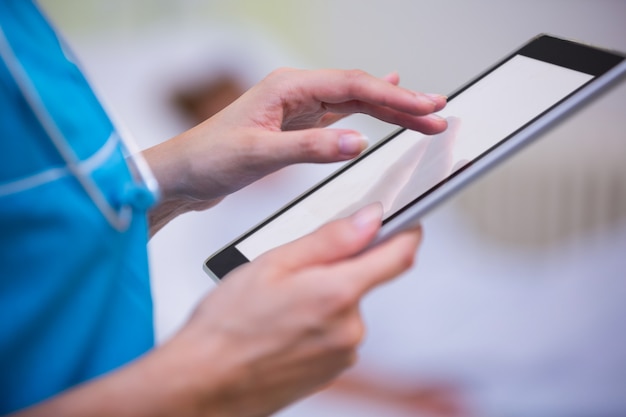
<point x="340" y="86"/>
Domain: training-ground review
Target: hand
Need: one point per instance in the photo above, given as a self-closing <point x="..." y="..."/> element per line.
<point x="286" y="324"/>
<point x="278" y="122"/>
<point x="277" y="329"/>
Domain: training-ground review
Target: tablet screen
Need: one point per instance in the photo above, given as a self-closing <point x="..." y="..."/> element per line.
<point x="409" y="173"/>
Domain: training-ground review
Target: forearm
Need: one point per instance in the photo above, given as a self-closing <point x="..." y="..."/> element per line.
<point x="165" y="382"/>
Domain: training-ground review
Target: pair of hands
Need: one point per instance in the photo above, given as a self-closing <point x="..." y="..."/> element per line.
<point x="284" y="325"/>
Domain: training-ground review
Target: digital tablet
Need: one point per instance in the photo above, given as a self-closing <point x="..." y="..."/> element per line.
<point x="409" y="173"/>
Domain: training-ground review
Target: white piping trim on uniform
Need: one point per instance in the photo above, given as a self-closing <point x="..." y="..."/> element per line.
<point x="53" y="174"/>
<point x="118" y="219"/>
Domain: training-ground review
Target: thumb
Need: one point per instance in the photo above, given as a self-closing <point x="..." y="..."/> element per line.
<point x="332" y="242"/>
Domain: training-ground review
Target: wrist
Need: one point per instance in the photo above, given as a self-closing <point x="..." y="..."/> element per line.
<point x="170" y="167"/>
<point x="192" y="382"/>
<point x="206" y="380"/>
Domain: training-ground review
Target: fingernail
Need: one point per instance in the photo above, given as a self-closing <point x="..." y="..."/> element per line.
<point x="368" y="216"/>
<point x="352" y="144"/>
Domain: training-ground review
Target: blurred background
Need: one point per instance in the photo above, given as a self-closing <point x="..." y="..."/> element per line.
<point x="517" y="306"/>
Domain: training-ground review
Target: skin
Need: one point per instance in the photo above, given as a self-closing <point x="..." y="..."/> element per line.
<point x="285" y="325"/>
<point x="280" y="121"/>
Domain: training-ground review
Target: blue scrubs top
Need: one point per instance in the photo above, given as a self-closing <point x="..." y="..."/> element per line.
<point x="75" y="298"/>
